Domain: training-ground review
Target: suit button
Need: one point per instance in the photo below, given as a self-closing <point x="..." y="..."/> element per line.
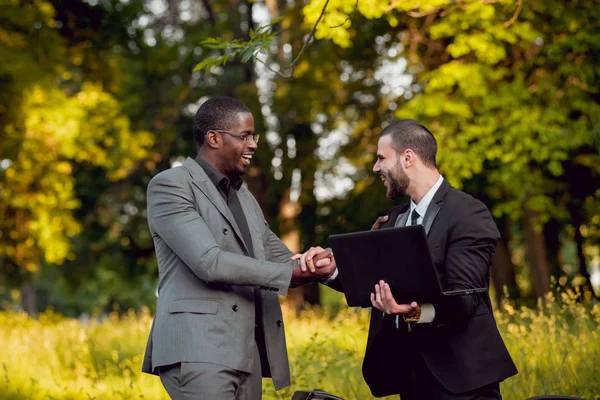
<point x="279" y="323"/>
<point x="225" y="231"/>
<point x="235" y="308"/>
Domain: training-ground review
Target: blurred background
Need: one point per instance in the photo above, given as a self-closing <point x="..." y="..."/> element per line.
<point x="97" y="96"/>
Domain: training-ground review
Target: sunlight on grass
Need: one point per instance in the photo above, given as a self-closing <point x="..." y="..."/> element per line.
<point x="556" y="348"/>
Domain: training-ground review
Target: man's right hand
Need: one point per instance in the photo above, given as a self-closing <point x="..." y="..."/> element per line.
<point x="380" y="221"/>
<point x="317" y="263"/>
<point x="384" y="301"/>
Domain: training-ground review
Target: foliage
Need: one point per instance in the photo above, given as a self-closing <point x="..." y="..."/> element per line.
<point x="38" y="189"/>
<point x="259" y="40"/>
<point x="555" y="347"/>
<point x="29" y="48"/>
<point x="48" y="133"/>
<point x="506" y="85"/>
<point x="510" y="88"/>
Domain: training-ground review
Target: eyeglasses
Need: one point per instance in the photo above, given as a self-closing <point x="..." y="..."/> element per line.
<point x="244" y="135"/>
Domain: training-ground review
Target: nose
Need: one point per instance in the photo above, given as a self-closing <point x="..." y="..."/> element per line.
<point x="251" y="143"/>
<point x="376" y="167"/>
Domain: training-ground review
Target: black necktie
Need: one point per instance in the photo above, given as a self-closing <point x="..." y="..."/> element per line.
<point x="414" y="216"/>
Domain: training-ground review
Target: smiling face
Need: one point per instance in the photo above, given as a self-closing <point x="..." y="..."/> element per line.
<point x="389" y="168"/>
<point x="235" y="153"/>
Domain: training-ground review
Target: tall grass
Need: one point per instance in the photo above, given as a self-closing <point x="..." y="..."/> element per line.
<point x="556" y="348"/>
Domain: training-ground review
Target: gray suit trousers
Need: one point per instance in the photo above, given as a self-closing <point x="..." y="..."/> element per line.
<point x="199" y="380"/>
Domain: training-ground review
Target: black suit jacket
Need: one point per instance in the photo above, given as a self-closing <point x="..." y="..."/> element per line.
<point x="462" y="348"/>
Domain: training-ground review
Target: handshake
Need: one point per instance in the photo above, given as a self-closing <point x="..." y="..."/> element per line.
<point x="316" y="264"/>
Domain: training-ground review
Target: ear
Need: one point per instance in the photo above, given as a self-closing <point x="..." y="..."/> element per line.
<point x="408" y="158"/>
<point x="212" y="140"/>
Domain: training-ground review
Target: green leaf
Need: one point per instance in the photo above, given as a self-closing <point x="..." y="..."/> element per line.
<point x="206" y="64"/>
<point x="247" y="54"/>
<point x="262" y="30"/>
<point x="224" y="59"/>
<point x="210" y="41"/>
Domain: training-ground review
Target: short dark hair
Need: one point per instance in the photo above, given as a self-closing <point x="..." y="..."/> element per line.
<point x="409" y="134"/>
<point x="216" y="113"/>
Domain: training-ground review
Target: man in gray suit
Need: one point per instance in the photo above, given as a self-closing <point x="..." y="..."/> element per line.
<point x="218" y="326"/>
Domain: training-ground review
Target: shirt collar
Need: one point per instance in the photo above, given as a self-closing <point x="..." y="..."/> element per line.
<point x="216" y="177"/>
<point x="426" y="200"/>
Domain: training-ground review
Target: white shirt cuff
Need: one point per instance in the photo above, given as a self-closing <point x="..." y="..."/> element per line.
<point x="427" y="314"/>
<point x="330" y="278"/>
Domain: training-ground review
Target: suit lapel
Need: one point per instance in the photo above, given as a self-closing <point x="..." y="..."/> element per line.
<point x="430" y="215"/>
<point x="203" y="183"/>
<point x="401" y="219"/>
<point x="397" y="212"/>
<point x="401" y="212"/>
<point x="435" y="205"/>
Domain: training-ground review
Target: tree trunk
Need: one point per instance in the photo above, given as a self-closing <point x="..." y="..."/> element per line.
<point x="578" y="237"/>
<point x="28" y="298"/>
<point x="306" y="145"/>
<point x="290" y="236"/>
<point x="503" y="269"/>
<point x="552" y="242"/>
<point x="248" y="67"/>
<point x="299" y="221"/>
<point x="503" y="274"/>
<point x="580" y="254"/>
<point x="535" y="251"/>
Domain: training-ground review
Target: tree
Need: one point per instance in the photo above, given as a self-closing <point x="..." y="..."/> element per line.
<point x="508" y="87"/>
<point x="47" y="133"/>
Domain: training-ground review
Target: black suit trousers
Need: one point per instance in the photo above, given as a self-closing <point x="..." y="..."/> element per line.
<point x="419" y="383"/>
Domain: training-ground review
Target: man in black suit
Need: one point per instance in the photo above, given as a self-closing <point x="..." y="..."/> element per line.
<point x="450" y="349"/>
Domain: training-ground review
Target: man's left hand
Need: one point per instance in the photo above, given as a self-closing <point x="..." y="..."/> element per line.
<point x="379" y="222"/>
<point x="316" y="258"/>
<point x="383" y="300"/>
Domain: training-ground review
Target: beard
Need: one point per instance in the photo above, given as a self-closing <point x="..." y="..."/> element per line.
<point x="397" y="181"/>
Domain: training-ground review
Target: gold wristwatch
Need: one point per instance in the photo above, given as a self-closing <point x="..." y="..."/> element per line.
<point x="414" y="318"/>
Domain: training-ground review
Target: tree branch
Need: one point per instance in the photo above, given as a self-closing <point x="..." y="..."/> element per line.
<point x="310" y="36"/>
<point x="516" y="14"/>
<point x="271" y="69"/>
<point x="247" y="49"/>
<point x="208" y="8"/>
<point x="347" y="18"/>
<point x="292" y="66"/>
<point x="415" y="14"/>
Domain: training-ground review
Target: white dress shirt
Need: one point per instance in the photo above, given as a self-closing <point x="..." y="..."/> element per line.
<point x="427" y="310"/>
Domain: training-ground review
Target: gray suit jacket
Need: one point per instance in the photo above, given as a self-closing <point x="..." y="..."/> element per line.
<point x="206" y="303"/>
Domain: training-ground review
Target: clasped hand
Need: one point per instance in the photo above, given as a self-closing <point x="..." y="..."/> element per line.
<point x="315" y="263"/>
<point x="383" y="300"/>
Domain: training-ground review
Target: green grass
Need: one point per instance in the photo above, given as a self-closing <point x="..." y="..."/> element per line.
<point x="556" y="348"/>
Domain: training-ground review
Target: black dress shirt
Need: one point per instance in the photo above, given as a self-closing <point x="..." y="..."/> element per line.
<point x="229" y="191"/>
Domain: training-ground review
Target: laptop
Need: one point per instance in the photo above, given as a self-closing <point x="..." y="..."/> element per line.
<point x="399" y="256"/>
